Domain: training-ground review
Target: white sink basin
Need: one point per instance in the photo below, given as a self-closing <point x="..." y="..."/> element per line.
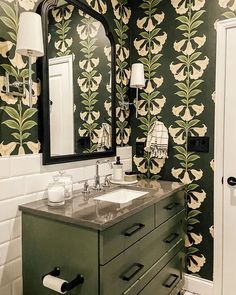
<point x="121" y="196"/>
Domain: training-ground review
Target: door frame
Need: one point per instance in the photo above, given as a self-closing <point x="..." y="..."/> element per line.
<point x="68" y="59"/>
<point x="222" y="27"/>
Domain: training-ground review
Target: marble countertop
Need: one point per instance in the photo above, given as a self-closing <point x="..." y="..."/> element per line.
<point x="85" y="211"/>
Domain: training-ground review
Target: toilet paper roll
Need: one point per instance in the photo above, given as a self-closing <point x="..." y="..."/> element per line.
<point x="54" y="283"/>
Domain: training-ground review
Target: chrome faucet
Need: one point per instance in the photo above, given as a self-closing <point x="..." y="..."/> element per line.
<point x="97" y="184"/>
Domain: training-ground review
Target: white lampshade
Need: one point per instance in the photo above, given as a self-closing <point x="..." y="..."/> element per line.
<point x="137" y="79"/>
<point x="30" y="36"/>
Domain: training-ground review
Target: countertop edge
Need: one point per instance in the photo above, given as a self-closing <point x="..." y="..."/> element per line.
<point x="92" y="225"/>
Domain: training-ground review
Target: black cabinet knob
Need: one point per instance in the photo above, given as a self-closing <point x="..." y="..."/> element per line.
<point x="231" y="181"/>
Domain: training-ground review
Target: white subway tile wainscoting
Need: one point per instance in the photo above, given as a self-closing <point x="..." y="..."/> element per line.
<point x="23" y="179"/>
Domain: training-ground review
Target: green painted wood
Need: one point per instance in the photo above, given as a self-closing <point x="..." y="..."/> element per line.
<point x="47" y="244"/>
<point x="146" y="252"/>
<point x="113" y="240"/>
<point x="168" y="207"/>
<point x="158" y="284"/>
<point x="155" y="269"/>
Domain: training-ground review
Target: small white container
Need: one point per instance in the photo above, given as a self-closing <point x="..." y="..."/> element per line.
<point x="67" y="180"/>
<point x="56" y="194"/>
<point x="118" y="170"/>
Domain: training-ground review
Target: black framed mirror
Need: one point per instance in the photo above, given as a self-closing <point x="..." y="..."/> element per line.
<point x="77" y="73"/>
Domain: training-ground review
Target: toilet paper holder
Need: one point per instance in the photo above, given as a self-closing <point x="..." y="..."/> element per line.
<point x="66" y="287"/>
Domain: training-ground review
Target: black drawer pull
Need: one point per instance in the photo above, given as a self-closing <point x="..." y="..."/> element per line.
<point x="171" y="206"/>
<point x="170" y="281"/>
<point x="171" y="238"/>
<point x="133" y="229"/>
<point x="131" y="272"/>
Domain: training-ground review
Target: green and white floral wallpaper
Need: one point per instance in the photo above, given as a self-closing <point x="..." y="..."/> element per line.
<point x="18" y="126"/>
<point x="72" y="32"/>
<point x="175" y="39"/>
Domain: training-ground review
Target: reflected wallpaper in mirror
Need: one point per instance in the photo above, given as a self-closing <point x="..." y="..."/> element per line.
<point x="79" y="55"/>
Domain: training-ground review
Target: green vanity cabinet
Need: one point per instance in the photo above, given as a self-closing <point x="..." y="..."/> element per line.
<point x="142" y="253"/>
<point x="47" y="244"/>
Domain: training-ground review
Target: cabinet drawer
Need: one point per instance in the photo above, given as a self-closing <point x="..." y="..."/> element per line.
<point x="122" y="235"/>
<point x="167" y="279"/>
<point x="120" y="273"/>
<point x="156" y="268"/>
<point x="169" y="207"/>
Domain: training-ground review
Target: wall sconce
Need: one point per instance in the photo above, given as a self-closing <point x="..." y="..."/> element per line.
<point x="29" y="43"/>
<point x="137" y="81"/>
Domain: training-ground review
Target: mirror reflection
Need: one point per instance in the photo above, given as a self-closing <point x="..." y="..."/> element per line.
<point x="79" y="54"/>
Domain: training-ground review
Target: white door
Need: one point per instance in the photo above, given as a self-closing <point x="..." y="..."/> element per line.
<point x="62" y="105"/>
<point x="225" y="152"/>
<point x="229" y="241"/>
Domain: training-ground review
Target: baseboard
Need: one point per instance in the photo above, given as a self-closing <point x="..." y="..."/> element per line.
<point x="197" y="285"/>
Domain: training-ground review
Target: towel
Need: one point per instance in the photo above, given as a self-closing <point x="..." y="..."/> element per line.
<point x="157" y="141"/>
<point x="104" y="138"/>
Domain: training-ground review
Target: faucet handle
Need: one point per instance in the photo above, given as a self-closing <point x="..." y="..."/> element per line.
<point x="85" y="186"/>
<point x="107" y="182"/>
<point x="97" y="187"/>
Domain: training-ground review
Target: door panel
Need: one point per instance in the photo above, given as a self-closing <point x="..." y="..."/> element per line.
<point x="229" y="223"/>
<point x="62" y="106"/>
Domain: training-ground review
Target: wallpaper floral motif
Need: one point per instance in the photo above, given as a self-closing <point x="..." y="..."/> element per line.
<point x="19" y="128"/>
<point x="188" y="69"/>
<point x="149" y="45"/>
<point x="18" y="122"/>
<point x="122" y="15"/>
<point x="176" y="43"/>
<point x="62" y="19"/>
<point x="72" y="32"/>
<point x="98" y="5"/>
<point x="90" y="79"/>
<point x="229" y="6"/>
